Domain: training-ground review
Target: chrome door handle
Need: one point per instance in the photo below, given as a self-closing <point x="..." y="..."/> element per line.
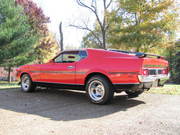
<point x="70" y="67"/>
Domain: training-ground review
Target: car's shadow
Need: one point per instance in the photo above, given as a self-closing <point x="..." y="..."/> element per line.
<point x="61" y="104"/>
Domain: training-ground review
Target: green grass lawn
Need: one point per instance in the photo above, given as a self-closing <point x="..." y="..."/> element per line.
<point x="170" y="89"/>
<point x="4" y="85"/>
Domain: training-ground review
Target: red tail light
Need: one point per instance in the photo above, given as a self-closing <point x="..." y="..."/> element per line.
<point x="145" y="72"/>
<point x="165" y="71"/>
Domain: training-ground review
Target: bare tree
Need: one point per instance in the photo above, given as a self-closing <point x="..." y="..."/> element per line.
<point x="61" y="37"/>
<point x="101" y="22"/>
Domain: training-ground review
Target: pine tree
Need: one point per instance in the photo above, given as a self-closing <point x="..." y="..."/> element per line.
<point x="17" y="37"/>
<point x="175" y="64"/>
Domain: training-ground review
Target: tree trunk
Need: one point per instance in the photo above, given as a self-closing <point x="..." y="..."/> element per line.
<point x="104" y="39"/>
<point x="9" y="74"/>
<point x="61" y="36"/>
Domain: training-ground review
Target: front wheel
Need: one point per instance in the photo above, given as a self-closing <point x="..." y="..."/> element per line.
<point x="27" y="84"/>
<point x="99" y="90"/>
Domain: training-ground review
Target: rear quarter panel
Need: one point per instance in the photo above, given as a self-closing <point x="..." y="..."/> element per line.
<point x="119" y="69"/>
<point x="94" y="63"/>
<point x="124" y="70"/>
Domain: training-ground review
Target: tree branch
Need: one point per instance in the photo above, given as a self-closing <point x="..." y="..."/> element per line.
<point x="107" y="6"/>
<point x="93" y="9"/>
<point x="80" y="3"/>
<point x="101" y="23"/>
<point x="88" y="29"/>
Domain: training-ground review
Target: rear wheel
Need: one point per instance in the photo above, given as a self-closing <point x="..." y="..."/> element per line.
<point x="99" y="90"/>
<point x="132" y="94"/>
<point x="27" y="84"/>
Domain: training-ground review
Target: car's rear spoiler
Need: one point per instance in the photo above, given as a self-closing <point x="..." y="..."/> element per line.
<point x="139" y="54"/>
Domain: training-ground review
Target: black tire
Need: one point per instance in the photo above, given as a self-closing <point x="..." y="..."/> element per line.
<point x="133" y="94"/>
<point x="30" y="87"/>
<point x="106" y="87"/>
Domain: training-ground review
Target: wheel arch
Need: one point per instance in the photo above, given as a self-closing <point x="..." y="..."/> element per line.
<point x="94" y="74"/>
<point x="25" y="73"/>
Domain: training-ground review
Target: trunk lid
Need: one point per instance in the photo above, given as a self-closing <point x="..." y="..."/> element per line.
<point x="154" y="63"/>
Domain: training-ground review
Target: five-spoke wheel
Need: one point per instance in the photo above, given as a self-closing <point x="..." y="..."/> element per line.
<point x="26" y="83"/>
<point x="96" y="90"/>
<point x="99" y="90"/>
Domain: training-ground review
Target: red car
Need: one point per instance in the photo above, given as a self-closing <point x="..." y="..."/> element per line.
<point x="99" y="72"/>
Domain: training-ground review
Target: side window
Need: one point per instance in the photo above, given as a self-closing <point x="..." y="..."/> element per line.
<point x="59" y="59"/>
<point x="83" y="54"/>
<point x="68" y="57"/>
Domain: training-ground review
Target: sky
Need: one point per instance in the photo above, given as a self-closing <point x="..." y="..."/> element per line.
<point x="69" y="12"/>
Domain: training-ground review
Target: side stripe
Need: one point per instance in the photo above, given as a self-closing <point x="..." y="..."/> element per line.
<point x="58" y="72"/>
<point x="123" y="73"/>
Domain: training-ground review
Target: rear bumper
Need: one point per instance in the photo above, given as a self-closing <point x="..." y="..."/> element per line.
<point x="162" y="81"/>
<point x="152" y="78"/>
<point x="133" y="87"/>
<point x="145" y="82"/>
<point x="137" y="87"/>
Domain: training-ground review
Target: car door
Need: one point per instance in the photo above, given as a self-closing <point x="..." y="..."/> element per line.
<point x="62" y="69"/>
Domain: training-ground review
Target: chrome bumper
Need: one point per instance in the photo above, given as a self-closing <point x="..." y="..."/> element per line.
<point x="151" y="78"/>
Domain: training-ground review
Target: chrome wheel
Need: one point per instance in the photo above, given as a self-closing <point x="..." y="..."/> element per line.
<point x="99" y="90"/>
<point x="25" y="82"/>
<point x="96" y="90"/>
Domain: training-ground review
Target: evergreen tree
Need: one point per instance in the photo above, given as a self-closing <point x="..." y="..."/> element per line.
<point x="17" y="38"/>
<point x="175" y="64"/>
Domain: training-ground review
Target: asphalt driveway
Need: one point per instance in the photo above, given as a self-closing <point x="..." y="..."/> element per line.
<point x="59" y="112"/>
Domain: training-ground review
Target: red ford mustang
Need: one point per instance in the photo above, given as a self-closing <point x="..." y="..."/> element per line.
<point x="99" y="72"/>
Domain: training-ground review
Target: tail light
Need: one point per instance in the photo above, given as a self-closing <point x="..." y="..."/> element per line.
<point x="165" y="71"/>
<point x="145" y="72"/>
